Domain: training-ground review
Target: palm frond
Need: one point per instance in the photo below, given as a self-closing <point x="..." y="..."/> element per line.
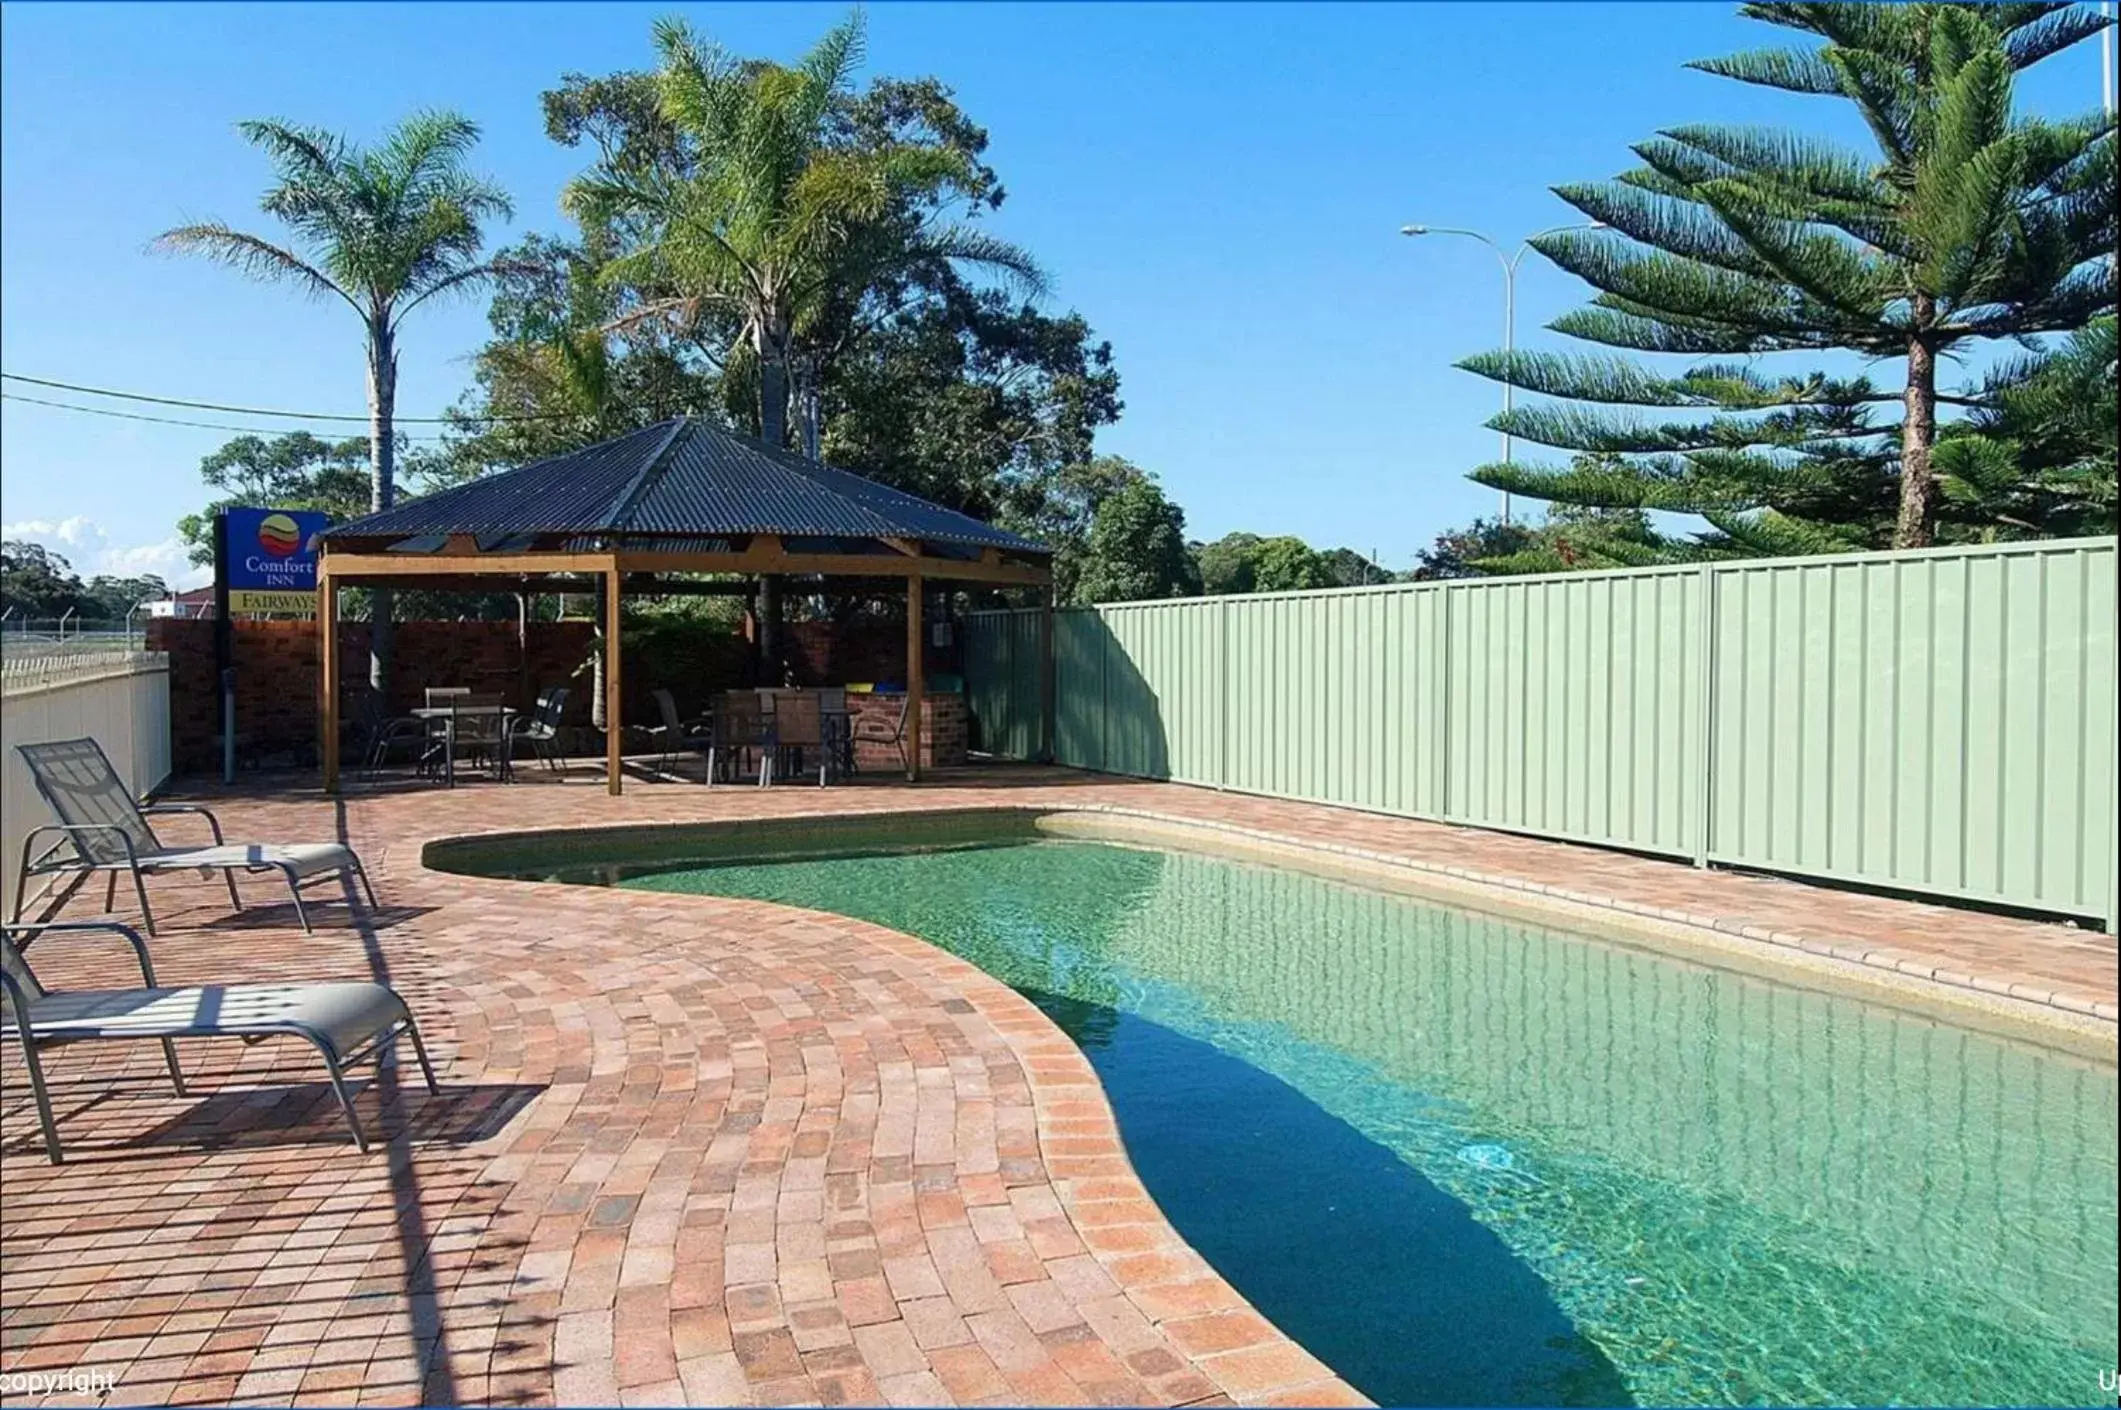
<point x="256" y="257"/>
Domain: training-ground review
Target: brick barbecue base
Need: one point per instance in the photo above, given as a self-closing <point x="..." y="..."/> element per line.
<point x="942" y="731"/>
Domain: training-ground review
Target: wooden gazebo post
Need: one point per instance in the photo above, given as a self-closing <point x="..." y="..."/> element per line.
<point x="915" y="684"/>
<point x="614" y="697"/>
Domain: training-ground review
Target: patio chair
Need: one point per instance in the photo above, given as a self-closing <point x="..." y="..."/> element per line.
<point x="675" y="735"/>
<point x="377" y="731"/>
<point x="799" y="725"/>
<point x="436" y="756"/>
<point x="832" y="706"/>
<point x="482" y="725"/>
<point x="102" y="827"/>
<point x="542" y="729"/>
<point x="876" y="729"/>
<point x="347" y="1023"/>
<point x="739" y="725"/>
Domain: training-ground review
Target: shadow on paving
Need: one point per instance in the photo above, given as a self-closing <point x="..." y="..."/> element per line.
<point x="306" y="1114"/>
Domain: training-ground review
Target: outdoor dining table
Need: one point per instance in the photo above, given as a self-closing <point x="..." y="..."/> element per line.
<point x="449" y="715"/>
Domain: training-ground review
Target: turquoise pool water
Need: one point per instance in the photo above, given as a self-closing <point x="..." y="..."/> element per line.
<point x="1467" y="1160"/>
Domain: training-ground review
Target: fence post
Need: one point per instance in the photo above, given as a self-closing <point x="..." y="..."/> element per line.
<point x="1048" y="684"/>
<point x="1442" y="711"/>
<point x="1705" y="706"/>
<point x="1222" y="692"/>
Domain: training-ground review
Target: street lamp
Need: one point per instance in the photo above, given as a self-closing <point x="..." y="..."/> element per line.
<point x="1509" y="304"/>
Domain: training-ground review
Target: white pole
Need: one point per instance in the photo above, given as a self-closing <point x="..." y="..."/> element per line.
<point x="2106" y="58"/>
<point x="1509" y="265"/>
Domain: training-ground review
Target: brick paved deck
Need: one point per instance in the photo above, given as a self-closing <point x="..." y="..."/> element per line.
<point x="700" y="1150"/>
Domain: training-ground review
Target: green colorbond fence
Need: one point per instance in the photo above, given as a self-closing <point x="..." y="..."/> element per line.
<point x="1940" y="721"/>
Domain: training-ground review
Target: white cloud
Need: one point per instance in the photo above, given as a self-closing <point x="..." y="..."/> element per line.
<point x="77" y="532"/>
<point x="86" y="544"/>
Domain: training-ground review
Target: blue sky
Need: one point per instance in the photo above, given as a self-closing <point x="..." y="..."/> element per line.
<point x="1217" y="188"/>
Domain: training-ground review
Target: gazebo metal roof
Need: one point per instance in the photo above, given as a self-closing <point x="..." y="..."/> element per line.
<point x="682" y="479"/>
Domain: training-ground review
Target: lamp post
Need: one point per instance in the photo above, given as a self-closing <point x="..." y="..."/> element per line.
<point x="1509" y="264"/>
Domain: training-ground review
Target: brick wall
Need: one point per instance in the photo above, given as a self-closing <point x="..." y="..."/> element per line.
<point x="942" y="731"/>
<point x="276" y="673"/>
<point x="868" y="649"/>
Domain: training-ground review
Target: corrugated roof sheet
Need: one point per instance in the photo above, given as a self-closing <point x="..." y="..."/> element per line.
<point x="680" y="478"/>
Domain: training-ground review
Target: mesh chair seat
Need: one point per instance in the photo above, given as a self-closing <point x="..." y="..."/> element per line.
<point x="303" y="858"/>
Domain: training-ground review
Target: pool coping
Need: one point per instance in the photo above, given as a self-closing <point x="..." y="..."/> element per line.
<point x="2053" y="1017"/>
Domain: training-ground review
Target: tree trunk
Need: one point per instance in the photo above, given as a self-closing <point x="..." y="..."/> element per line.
<point x="772" y="345"/>
<point x="769" y="629"/>
<point x="383" y="489"/>
<point x="1918" y="486"/>
<point x="808" y="414"/>
<point x="597" y="695"/>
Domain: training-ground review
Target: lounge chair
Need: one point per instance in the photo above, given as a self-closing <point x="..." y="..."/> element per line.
<point x="102" y="827"/>
<point x="347" y="1023"/>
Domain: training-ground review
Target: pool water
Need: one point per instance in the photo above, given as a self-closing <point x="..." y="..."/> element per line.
<point x="1470" y="1161"/>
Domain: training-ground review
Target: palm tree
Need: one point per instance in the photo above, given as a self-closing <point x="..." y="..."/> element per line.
<point x="770" y="214"/>
<point x="384" y="229"/>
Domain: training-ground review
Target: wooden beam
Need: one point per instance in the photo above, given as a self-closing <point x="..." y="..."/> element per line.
<point x="614" y="696"/>
<point x="844" y="565"/>
<point x="328" y="679"/>
<point x="443" y="565"/>
<point x="914" y="677"/>
<point x="750" y="562"/>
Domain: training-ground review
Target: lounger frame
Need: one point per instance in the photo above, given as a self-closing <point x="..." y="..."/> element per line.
<point x="21" y="1017"/>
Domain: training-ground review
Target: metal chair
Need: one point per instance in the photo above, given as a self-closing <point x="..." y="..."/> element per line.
<point x="676" y="735"/>
<point x="798" y="724"/>
<point x="436" y="756"/>
<point x="102" y="827"/>
<point x="481" y="727"/>
<point x="376" y="731"/>
<point x="347" y="1023"/>
<point x="875" y="729"/>
<point x="839" y="735"/>
<point x="542" y="728"/>
<point x="738" y="725"/>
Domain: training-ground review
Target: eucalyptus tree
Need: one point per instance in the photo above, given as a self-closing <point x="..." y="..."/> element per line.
<point x="757" y="204"/>
<point x="382" y="229"/>
<point x="1965" y="221"/>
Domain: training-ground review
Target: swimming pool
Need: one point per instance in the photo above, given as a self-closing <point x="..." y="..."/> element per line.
<point x="1471" y="1160"/>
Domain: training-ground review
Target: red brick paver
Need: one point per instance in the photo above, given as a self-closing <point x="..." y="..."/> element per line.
<point x="693" y="1149"/>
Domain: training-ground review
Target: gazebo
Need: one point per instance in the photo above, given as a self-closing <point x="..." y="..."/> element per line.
<point x="681" y="496"/>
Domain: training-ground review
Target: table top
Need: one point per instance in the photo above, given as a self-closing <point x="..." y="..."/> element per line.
<point x="441" y="712"/>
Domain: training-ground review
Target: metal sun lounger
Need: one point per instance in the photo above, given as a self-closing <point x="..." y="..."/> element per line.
<point x="347" y="1023"/>
<point x="102" y="827"/>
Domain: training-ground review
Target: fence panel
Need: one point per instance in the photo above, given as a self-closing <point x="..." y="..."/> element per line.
<point x="1328" y="697"/>
<point x="1163" y="668"/>
<point x="118" y="698"/>
<point x="1941" y="721"/>
<point x="1079" y="645"/>
<point x="1004" y="668"/>
<point x="1574" y="707"/>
